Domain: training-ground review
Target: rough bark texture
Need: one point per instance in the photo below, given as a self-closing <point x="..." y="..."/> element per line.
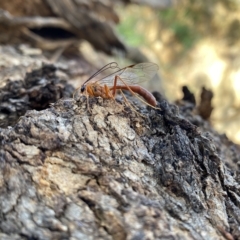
<point x="110" y="173"/>
<point x="39" y="88"/>
<point x="53" y="24"/>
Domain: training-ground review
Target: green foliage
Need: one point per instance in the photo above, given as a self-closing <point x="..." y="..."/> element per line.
<point x="167" y="15"/>
<point x="233" y="32"/>
<point x="189" y="21"/>
<point x="180" y="24"/>
<point x="184" y="34"/>
<point x="129" y="31"/>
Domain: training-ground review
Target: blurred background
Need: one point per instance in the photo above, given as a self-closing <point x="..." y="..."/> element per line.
<point x="195" y="43"/>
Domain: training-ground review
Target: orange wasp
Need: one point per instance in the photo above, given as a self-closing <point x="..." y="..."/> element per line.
<point x="125" y="78"/>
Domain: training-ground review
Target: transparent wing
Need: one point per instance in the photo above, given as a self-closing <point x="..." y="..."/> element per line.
<point x="132" y="75"/>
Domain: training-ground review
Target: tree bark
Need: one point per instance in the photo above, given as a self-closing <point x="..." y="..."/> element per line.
<point x="53" y="24"/>
<point x="114" y="173"/>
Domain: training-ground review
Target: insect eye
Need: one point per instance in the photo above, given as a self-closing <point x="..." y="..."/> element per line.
<point x="83" y="89"/>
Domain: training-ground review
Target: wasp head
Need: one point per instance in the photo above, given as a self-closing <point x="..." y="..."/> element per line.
<point x="83" y="88"/>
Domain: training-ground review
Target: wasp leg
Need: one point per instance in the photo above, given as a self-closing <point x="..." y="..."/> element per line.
<point x="89" y="92"/>
<point x="130" y="104"/>
<point x="108" y="92"/>
<point x="114" y="86"/>
<point x="124" y="97"/>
